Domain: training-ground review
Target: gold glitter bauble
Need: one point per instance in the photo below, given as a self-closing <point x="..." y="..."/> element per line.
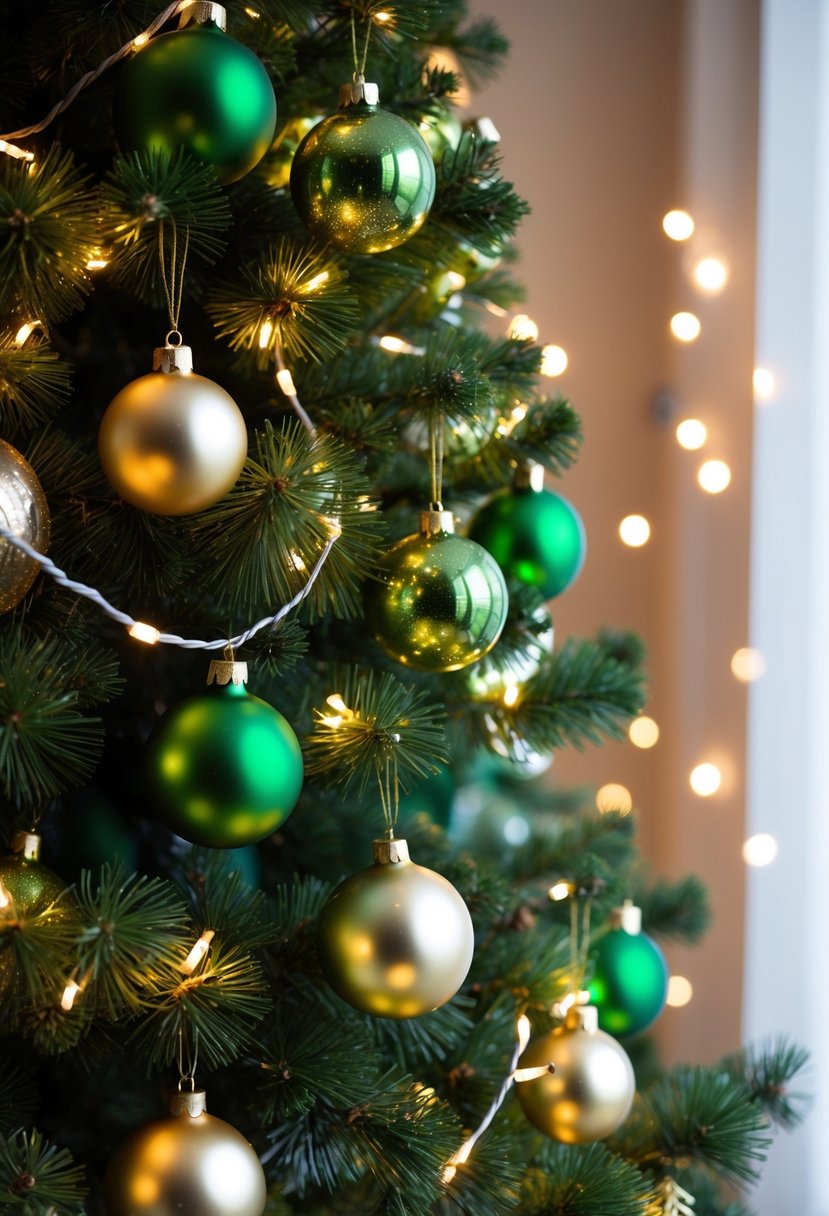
<point x="23" y="510"/>
<point x="592" y="1089"/>
<point x="396" y="939"/>
<point x="172" y="442"/>
<point x="185" y="1165"/>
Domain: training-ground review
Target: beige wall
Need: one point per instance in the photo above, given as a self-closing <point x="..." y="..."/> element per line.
<point x="611" y="112"/>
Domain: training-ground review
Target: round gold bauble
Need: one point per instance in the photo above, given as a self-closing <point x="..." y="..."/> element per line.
<point x="185" y="1165"/>
<point x="23" y="510"/>
<point x="395" y="940"/>
<point x="592" y="1089"/>
<point x="172" y="443"/>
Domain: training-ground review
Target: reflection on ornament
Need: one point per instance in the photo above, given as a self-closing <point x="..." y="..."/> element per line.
<point x="395" y="940"/>
<point x="630" y="976"/>
<point x="496" y="674"/>
<point x="535" y="535"/>
<point x="24" y="511"/>
<point x="198" y="89"/>
<point x="363" y="178"/>
<point x="172" y="442"/>
<point x="591" y="1092"/>
<point x="223" y="769"/>
<point x="188" y="1163"/>
<point x="440" y="601"/>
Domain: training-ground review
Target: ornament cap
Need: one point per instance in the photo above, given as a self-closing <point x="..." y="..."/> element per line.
<point x="200" y="12"/>
<point x="173" y="358"/>
<point x="359" y="90"/>
<point x="227" y="671"/>
<point x="192" y="1102"/>
<point x="27" y="844"/>
<point x="390" y="852"/>
<point x="529" y="476"/>
<point x="627" y="917"/>
<point x="582" y="1017"/>
<point x="436" y="520"/>
<point x="483" y="128"/>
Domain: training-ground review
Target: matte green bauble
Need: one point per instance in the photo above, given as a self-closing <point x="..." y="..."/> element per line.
<point x="395" y="940"/>
<point x="440" y="601"/>
<point x="630" y="981"/>
<point x="363" y="178"/>
<point x="223" y="769"/>
<point x="535" y="536"/>
<point x="592" y="1089"/>
<point x="197" y="89"/>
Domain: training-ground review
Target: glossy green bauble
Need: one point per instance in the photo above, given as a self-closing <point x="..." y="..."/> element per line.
<point x="442" y="132"/>
<point x="630" y="982"/>
<point x="35" y="891"/>
<point x="223" y="769"/>
<point x="439" y="604"/>
<point x="535" y="536"/>
<point x="503" y="670"/>
<point x="363" y="179"/>
<point x="197" y="89"/>
<point x="462" y="437"/>
<point x="395" y="940"/>
<point x="472" y="263"/>
<point x="591" y="1091"/>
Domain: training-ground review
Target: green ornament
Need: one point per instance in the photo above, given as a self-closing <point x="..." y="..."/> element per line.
<point x="440" y="601"/>
<point x="441" y="132"/>
<point x="630" y="977"/>
<point x="534" y="535"/>
<point x="29" y="890"/>
<point x="462" y="437"/>
<point x="96" y="832"/>
<point x="499" y="673"/>
<point x="487" y="822"/>
<point x="197" y="89"/>
<point x="472" y="263"/>
<point x="363" y="178"/>
<point x="223" y="769"/>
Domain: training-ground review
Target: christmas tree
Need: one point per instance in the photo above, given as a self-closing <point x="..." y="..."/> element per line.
<point x="270" y="414"/>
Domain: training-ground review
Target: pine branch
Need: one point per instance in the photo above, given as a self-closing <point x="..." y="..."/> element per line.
<point x="587" y="1181"/>
<point x="549" y="434"/>
<point x="267" y="533"/>
<point x="18" y="1089"/>
<point x="473" y="197"/>
<point x="144" y="191"/>
<point x="767" y="1072"/>
<point x="292" y="298"/>
<point x="222" y="900"/>
<point x="679" y="910"/>
<point x="49" y="220"/>
<point x="37" y="1178"/>
<point x="383" y="722"/>
<point x="34" y="383"/>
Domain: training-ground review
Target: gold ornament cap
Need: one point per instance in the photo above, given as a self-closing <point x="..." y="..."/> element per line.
<point x="227" y="671"/>
<point x="390" y="852"/>
<point x="173" y="359"/>
<point x="27" y="844"/>
<point x="436" y="520"/>
<point x="529" y="476"/>
<point x="192" y="1102"/>
<point x="359" y="90"/>
<point x="200" y="12"/>
<point x="582" y="1017"/>
<point x="628" y="917"/>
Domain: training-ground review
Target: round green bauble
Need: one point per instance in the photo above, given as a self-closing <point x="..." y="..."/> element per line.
<point x="95" y="832"/>
<point x="535" y="536"/>
<point x="223" y="769"/>
<point x="488" y="822"/>
<point x="395" y="940"/>
<point x="498" y="673"/>
<point x="33" y="891"/>
<point x="440" y="601"/>
<point x="472" y="263"/>
<point x="363" y="179"/>
<point x="592" y="1089"/>
<point x="441" y="132"/>
<point x="197" y="89"/>
<point x="462" y="437"/>
<point x="630" y="982"/>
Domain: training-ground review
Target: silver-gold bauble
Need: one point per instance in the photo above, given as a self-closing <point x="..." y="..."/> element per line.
<point x="23" y="510"/>
<point x="395" y="940"/>
<point x="186" y="1164"/>
<point x="591" y="1091"/>
<point x="172" y="442"/>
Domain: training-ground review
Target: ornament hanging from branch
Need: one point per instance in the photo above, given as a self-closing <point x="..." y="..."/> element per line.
<point x="23" y="509"/>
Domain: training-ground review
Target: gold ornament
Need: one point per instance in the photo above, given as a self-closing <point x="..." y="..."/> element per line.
<point x="172" y="442"/>
<point x="592" y="1089"/>
<point x="23" y="510"/>
<point x="186" y="1164"/>
<point x="396" y="939"/>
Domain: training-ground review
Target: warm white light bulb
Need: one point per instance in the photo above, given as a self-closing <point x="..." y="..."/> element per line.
<point x="748" y="664"/>
<point x="511" y="694"/>
<point x="686" y="326"/>
<point x="635" y="531"/>
<point x="643" y="732"/>
<point x="198" y="952"/>
<point x="559" y="891"/>
<point x="523" y="328"/>
<point x="142" y="632"/>
<point x="554" y="360"/>
<point x="678" y="225"/>
<point x="711" y="274"/>
<point x="760" y="850"/>
<point x="286" y="382"/>
<point x="614" y="797"/>
<point x="714" y="476"/>
<point x="705" y="780"/>
<point x="680" y="991"/>
<point x="691" y="434"/>
<point x="763" y="382"/>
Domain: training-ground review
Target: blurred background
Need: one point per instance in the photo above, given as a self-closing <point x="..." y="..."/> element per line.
<point x="674" y="153"/>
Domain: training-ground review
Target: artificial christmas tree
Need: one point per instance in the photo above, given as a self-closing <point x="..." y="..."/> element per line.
<point x="354" y="362"/>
